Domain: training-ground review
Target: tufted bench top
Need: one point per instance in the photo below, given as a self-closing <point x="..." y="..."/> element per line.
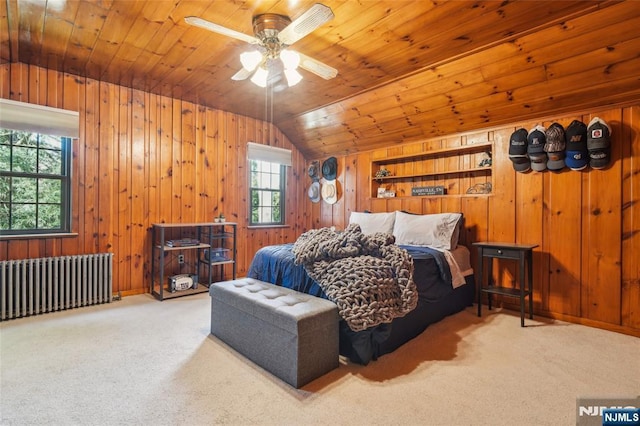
<point x="277" y="305"/>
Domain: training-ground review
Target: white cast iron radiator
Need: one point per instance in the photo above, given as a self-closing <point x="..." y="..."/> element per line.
<point x="37" y="286"/>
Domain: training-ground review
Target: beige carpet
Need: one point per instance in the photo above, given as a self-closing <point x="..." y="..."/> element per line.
<point x="143" y="362"/>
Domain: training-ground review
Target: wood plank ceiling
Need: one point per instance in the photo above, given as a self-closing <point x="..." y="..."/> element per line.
<point x="406" y="69"/>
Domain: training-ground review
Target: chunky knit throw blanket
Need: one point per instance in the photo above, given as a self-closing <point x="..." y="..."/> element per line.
<point x="367" y="276"/>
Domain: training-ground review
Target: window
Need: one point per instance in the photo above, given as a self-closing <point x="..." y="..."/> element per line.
<point x="267" y="193"/>
<point x="34" y="182"/>
<point x="35" y="168"/>
<point x="267" y="183"/>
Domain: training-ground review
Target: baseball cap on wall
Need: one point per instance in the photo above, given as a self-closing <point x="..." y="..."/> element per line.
<point x="599" y="143"/>
<point x="576" y="140"/>
<point x="555" y="146"/>
<point x="518" y="151"/>
<point x="599" y="159"/>
<point x="535" y="148"/>
<point x="577" y="160"/>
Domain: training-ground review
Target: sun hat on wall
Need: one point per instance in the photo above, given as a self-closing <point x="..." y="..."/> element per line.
<point x="314" y="192"/>
<point x="330" y="192"/>
<point x="330" y="168"/>
<point x="313" y="170"/>
<point x="518" y="151"/>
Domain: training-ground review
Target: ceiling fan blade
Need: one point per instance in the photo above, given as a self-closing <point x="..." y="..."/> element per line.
<point x="243" y="74"/>
<point x="318" y="68"/>
<point x="314" y="17"/>
<point x="199" y="22"/>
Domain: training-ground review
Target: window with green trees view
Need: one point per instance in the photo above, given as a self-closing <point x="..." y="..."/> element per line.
<point x="267" y="183"/>
<point x="34" y="183"/>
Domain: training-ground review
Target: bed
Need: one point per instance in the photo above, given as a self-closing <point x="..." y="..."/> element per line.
<point x="442" y="275"/>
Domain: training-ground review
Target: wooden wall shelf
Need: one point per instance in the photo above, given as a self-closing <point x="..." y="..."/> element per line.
<point x="456" y="168"/>
<point x="408" y="197"/>
<point x="444" y="172"/>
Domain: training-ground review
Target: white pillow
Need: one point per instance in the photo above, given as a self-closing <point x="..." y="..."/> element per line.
<point x="428" y="230"/>
<point x="373" y="222"/>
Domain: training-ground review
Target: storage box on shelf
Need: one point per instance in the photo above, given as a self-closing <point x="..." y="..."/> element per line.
<point x="186" y="258"/>
<point x="456" y="169"/>
<point x="222" y="251"/>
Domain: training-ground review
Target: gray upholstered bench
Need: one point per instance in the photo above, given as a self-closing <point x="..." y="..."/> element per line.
<point x="290" y="334"/>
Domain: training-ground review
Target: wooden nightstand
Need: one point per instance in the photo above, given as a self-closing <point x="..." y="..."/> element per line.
<point x="523" y="253"/>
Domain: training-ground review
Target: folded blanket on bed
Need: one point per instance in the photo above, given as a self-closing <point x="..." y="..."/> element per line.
<point x="367" y="276"/>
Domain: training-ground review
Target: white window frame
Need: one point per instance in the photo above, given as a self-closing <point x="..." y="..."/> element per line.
<point x="276" y="157"/>
<point x="43" y="120"/>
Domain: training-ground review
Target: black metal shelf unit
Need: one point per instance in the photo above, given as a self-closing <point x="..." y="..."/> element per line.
<point x="186" y="258"/>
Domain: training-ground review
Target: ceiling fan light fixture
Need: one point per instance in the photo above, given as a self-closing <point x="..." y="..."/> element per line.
<point x="260" y="77"/>
<point x="273" y="34"/>
<point x="290" y="59"/>
<point x="250" y="60"/>
<point x="293" y="76"/>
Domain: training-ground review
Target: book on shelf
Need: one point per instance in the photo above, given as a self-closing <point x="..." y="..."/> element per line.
<point x="184" y="242"/>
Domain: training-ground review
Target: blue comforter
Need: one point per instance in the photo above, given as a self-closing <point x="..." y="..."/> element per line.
<point x="432" y="276"/>
<point x="275" y="264"/>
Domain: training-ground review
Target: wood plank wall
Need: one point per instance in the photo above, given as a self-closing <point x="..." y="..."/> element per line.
<point x="586" y="223"/>
<point x="143" y="159"/>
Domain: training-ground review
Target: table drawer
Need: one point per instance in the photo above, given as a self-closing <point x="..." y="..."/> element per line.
<point x="503" y="253"/>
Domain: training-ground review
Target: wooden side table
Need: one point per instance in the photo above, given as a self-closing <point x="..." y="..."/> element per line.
<point x="523" y="253"/>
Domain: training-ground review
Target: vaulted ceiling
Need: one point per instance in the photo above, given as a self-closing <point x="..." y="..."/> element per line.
<point x="406" y="69"/>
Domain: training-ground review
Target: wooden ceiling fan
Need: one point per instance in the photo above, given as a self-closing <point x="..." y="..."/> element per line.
<point x="273" y="34"/>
